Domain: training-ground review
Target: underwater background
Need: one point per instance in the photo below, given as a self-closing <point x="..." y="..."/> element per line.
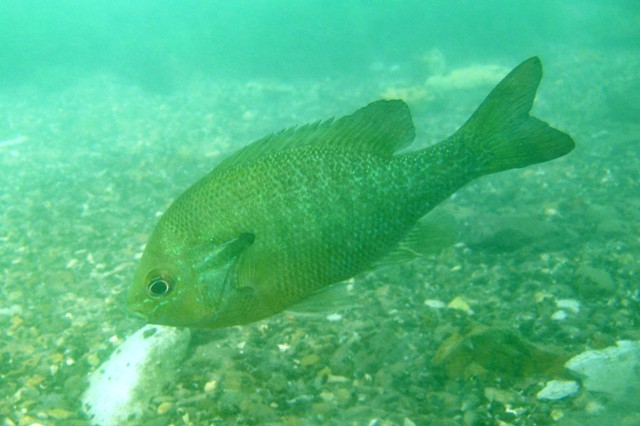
<point x="110" y="109"/>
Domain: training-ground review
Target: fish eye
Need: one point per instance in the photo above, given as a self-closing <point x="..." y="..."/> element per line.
<point x="160" y="284"/>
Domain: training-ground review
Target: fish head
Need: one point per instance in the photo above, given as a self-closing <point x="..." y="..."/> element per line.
<point x="187" y="284"/>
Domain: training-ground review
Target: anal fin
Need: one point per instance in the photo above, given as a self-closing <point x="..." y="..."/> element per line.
<point x="432" y="234"/>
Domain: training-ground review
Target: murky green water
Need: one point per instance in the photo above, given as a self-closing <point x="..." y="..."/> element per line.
<point x="109" y="110"/>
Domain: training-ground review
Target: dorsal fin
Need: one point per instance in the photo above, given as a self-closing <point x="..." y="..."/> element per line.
<point x="380" y="128"/>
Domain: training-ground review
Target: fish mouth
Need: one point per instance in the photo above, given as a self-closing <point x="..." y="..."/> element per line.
<point x="136" y="315"/>
<point x="135" y="310"/>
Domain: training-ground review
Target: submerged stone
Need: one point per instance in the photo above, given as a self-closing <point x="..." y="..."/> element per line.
<point x="558" y="389"/>
<point x="614" y="371"/>
<point x="497" y="352"/>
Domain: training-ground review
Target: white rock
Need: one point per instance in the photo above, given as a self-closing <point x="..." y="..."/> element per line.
<point x="138" y="370"/>
<point x="614" y="370"/>
<point x="558" y="389"/>
<point x="572" y="305"/>
<point x="435" y="304"/>
<point x="11" y="310"/>
<point x="408" y="422"/>
<point x="334" y="317"/>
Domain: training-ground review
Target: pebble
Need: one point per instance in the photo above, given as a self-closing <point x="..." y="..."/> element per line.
<point x="471" y="418"/>
<point x="327" y="396"/>
<point x="60" y="413"/>
<point x="334" y="317"/>
<point x="558" y="389"/>
<point x="556" y="414"/>
<point x="559" y="315"/>
<point x="210" y="386"/>
<point x="343" y="396"/>
<point x="165" y="407"/>
<point x="460" y="304"/>
<point x="408" y="422"/>
<point x="283" y="347"/>
<point x="336" y="379"/>
<point x="572" y="305"/>
<point x="594" y="407"/>
<point x="309" y="360"/>
<point x="594" y="281"/>
<point x="502" y="396"/>
<point x="11" y="310"/>
<point x="93" y="360"/>
<point x="435" y="304"/>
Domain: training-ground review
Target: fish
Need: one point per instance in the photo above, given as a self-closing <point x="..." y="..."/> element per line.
<point x="299" y="210"/>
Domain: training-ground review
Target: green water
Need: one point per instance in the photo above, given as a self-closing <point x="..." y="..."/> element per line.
<point x="109" y="110"/>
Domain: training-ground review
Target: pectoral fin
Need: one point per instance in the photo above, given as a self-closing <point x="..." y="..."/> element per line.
<point x="214" y="256"/>
<point x="335" y="298"/>
<point x="216" y="266"/>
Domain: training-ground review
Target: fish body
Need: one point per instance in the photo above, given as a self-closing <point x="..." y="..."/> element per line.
<point x="305" y="208"/>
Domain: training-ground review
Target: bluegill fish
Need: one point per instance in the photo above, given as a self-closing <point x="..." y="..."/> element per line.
<point x="299" y="210"/>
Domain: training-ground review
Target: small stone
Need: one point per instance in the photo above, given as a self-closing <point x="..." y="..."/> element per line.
<point x="29" y="421"/>
<point x="283" y="347"/>
<point x="569" y="305"/>
<point x="501" y="396"/>
<point x="310" y="359"/>
<point x="34" y="380"/>
<point x="558" y="389"/>
<point x="384" y="378"/>
<point x="408" y="422"/>
<point x="336" y="379"/>
<point x="594" y="281"/>
<point x="471" y="418"/>
<point x="211" y="386"/>
<point x="16" y="321"/>
<point x="343" y="396"/>
<point x="93" y="360"/>
<point x="60" y="413"/>
<point x="334" y="317"/>
<point x="327" y="396"/>
<point x="559" y="315"/>
<point x="594" y="407"/>
<point x="556" y="414"/>
<point x="256" y="410"/>
<point x="319" y="408"/>
<point x="460" y="304"/>
<point x="165" y="407"/>
<point x="435" y="304"/>
<point x="541" y="296"/>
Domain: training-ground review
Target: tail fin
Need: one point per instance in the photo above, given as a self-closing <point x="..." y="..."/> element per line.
<point x="503" y="135"/>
